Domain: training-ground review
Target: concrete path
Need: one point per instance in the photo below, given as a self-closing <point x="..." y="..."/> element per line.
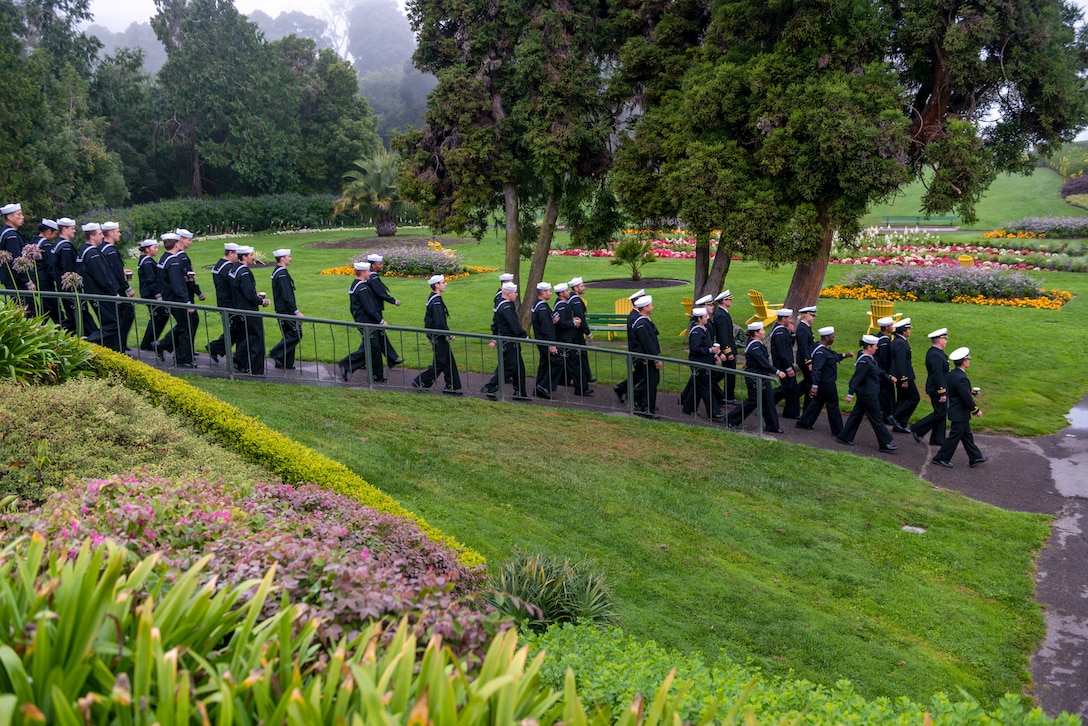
<point x="1047" y="475"/>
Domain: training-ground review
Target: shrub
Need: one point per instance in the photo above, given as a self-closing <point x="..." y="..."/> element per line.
<point x="1077" y="184"/>
<point x="35" y="350"/>
<point x="343" y="564"/>
<point x="417" y="261"/>
<point x="942" y="284"/>
<point x="633" y="252"/>
<point x="88" y="427"/>
<point x="612" y="669"/>
<point x="538" y="591"/>
<point x="1061" y="227"/>
<point x="287" y="459"/>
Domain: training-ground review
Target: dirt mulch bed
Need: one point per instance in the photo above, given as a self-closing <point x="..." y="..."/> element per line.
<point x="647" y="283"/>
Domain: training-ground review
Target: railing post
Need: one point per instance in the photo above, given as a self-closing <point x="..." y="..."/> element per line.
<point x="228" y="344"/>
<point x="500" y="378"/>
<point x="759" y="406"/>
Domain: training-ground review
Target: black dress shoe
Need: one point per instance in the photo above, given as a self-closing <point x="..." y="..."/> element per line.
<point x="522" y="398"/>
<point x="381" y="380"/>
<point x="945" y="464"/>
<point x="889" y="447"/>
<point x="619" y="395"/>
<point x="776" y="431"/>
<point x="587" y="392"/>
<point x="733" y="402"/>
<point x="802" y="426"/>
<point x="542" y="392"/>
<point x="976" y="462"/>
<point x="917" y="438"/>
<point x="213" y="356"/>
<point x="395" y="362"/>
<point x="344" y="374"/>
<point x="844" y="441"/>
<point x="593" y="379"/>
<point x="186" y="365"/>
<point x="720" y="418"/>
<point x="897" y="428"/>
<point x="452" y="391"/>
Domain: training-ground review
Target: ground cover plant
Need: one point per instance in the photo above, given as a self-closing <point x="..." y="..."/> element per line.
<point x="339" y="563"/>
<point x="89" y="427"/>
<point x="950" y="284"/>
<point x="769" y="551"/>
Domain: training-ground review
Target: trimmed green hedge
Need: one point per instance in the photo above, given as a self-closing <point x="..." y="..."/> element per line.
<point x="260" y="444"/>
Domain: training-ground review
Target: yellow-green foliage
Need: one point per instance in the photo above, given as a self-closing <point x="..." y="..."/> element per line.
<point x="1078" y="200"/>
<point x="258" y="443"/>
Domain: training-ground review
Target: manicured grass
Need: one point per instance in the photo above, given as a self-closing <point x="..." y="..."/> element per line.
<point x="1026" y="361"/>
<point x="1008" y="199"/>
<point x="789" y="556"/>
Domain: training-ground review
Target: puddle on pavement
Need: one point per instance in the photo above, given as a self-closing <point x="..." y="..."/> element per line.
<point x="1078" y="417"/>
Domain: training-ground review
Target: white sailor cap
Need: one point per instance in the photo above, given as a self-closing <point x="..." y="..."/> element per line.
<point x="704" y="300"/>
<point x="182" y="232"/>
<point x="244" y="250"/>
<point x="108" y="226"/>
<point x="49" y="223"/>
<point x="506" y="277"/>
<point x="91" y="227"/>
<point x="783" y="312"/>
<point x="561" y="287"/>
<point x="904" y="323"/>
<point x="757" y="325"/>
<point x="542" y="286"/>
<point x="939" y="333"/>
<point x="636" y="295"/>
<point x="11" y="208"/>
<point x="281" y="252"/>
<point x="435" y="279"/>
<point x="808" y="309"/>
<point x="885" y="322"/>
<point x="724" y="295"/>
<point x="869" y="339"/>
<point x="698" y="312"/>
<point x="66" y="222"/>
<point x="576" y="282"/>
<point x="959" y="354"/>
<point x="170" y="235"/>
<point x="373" y="257"/>
<point x="230" y="247"/>
<point x="509" y="287"/>
<point x="829" y="330"/>
<point x="358" y="265"/>
<point x="148" y="243"/>
<point x="644" y="301"/>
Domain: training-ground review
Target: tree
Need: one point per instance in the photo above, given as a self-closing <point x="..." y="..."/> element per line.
<point x="230" y="101"/>
<point x="335" y="122"/>
<point x="787" y="120"/>
<point x="372" y="191"/>
<point x="378" y="36"/>
<point x="293" y="23"/>
<point x="520" y="114"/>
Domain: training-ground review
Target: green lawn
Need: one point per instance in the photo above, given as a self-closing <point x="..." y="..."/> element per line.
<point x="783" y="554"/>
<point x="1008" y="199"/>
<point x="1026" y="361"/>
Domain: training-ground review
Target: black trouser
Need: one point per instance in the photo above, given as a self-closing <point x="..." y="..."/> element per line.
<point x="443" y="363"/>
<point x="391" y="355"/>
<point x="827" y="396"/>
<point x="70" y="321"/>
<point x="170" y="342"/>
<point x="180" y="335"/>
<point x="283" y="353"/>
<point x="160" y="316"/>
<point x="645" y="377"/>
<point x="551" y="371"/>
<point x="357" y="358"/>
<point x="218" y="346"/>
<point x="513" y="367"/>
<point x="935" y="423"/>
<point x="108" y="334"/>
<point x="700" y="387"/>
<point x="249" y="355"/>
<point x="959" y="431"/>
<point x="770" y="416"/>
<point x="791" y="397"/>
<point x="887" y="398"/>
<point x="868" y="406"/>
<point x="907" y="399"/>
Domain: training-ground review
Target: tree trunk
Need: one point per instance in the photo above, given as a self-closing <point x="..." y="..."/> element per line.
<point x="513" y="232"/>
<point x="808" y="277"/>
<point x="540" y="259"/>
<point x="702" y="262"/>
<point x="198" y="186"/>
<point x="723" y="256"/>
<point x="386" y="227"/>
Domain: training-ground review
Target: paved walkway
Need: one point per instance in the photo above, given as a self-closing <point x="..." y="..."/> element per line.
<point x="1047" y="475"/>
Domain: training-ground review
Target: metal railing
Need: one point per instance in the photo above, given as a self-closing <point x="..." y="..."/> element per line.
<point x="326" y="342"/>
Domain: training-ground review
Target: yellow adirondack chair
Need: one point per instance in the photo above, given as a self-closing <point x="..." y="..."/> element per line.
<point x="623" y="306"/>
<point x="688" y="303"/>
<point x="880" y="309"/>
<point x="764" y="311"/>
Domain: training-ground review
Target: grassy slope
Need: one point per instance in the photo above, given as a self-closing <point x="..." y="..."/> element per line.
<point x="1008" y="199"/>
<point x="715" y="541"/>
<point x="1026" y="393"/>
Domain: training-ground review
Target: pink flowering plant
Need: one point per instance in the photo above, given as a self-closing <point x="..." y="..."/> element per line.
<point x="341" y="562"/>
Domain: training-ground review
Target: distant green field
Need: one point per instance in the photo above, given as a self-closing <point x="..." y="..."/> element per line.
<point x="1008" y="199"/>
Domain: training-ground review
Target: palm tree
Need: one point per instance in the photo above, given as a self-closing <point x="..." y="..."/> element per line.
<point x="371" y="190"/>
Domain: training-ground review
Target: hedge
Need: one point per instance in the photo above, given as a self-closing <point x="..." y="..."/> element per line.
<point x="260" y="444"/>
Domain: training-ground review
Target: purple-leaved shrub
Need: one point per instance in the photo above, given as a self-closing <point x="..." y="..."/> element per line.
<point x="343" y="562"/>
<point x="417" y="260"/>
<point x="941" y="284"/>
<point x="1060" y="227"/>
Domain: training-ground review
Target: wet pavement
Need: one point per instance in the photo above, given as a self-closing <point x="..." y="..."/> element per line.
<point x="1047" y="475"/>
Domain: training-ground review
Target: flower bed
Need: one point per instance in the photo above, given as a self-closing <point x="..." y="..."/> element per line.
<point x="415" y="262"/>
<point x="964" y="285"/>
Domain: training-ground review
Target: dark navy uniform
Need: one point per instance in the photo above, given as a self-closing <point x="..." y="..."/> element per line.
<point x="151" y="289"/>
<point x="44" y="278"/>
<point x="381" y="297"/>
<point x="724" y="336"/>
<point x="437" y="318"/>
<point x="504" y="321"/>
<point x="13" y="243"/>
<point x="645" y="374"/>
<point x="906" y="390"/>
<point x="98" y="280"/>
<point x="578" y="362"/>
<point x="621" y="388"/>
<point x="824" y="374"/>
<point x="224" y="298"/>
<point x="283" y="297"/>
<point x="64" y="261"/>
<point x="551" y="370"/>
<point x="700" y="387"/>
<point x="756" y="360"/>
<point x="249" y="354"/>
<point x="364" y="309"/>
<point x="783" y="358"/>
<point x="175" y="289"/>
<point x="866" y="384"/>
<point x="935" y="424"/>
<point x="887" y="388"/>
<point x="805" y="345"/>
<point x="961" y="407"/>
<point x="125" y="312"/>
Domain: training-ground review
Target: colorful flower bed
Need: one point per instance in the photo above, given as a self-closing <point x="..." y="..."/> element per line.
<point x="963" y="285"/>
<point x="680" y="247"/>
<point x="416" y="262"/>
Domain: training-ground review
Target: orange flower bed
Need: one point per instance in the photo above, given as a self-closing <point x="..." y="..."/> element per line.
<point x="866" y="292"/>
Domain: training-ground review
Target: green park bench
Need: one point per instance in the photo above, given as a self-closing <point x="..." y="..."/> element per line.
<point x="918" y="220"/>
<point x="611" y="323"/>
